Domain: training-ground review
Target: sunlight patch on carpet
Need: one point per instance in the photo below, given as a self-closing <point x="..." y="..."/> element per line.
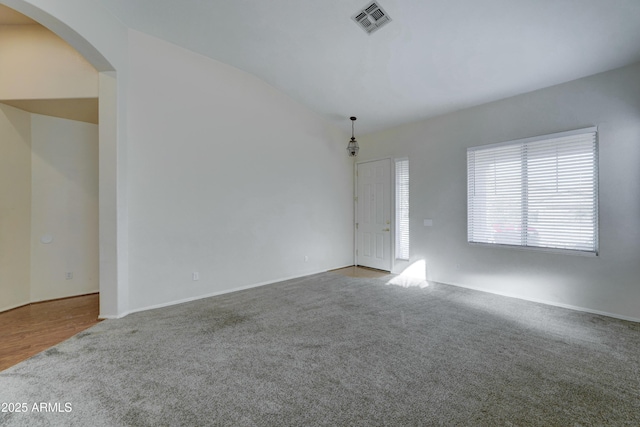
<point x="412" y="276"/>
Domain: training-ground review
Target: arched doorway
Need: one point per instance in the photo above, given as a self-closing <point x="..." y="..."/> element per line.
<point x="91" y="32"/>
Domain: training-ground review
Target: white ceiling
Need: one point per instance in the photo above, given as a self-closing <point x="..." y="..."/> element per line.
<point x="436" y="56"/>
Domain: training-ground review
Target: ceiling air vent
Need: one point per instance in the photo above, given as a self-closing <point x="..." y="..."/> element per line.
<point x="371" y="17"/>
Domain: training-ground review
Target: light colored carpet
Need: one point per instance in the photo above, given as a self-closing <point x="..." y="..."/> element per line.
<point x="331" y="350"/>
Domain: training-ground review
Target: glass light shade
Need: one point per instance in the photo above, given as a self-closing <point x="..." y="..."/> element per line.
<point x="353" y="148"/>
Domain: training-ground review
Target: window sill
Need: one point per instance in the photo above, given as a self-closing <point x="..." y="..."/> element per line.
<point x="538" y="249"/>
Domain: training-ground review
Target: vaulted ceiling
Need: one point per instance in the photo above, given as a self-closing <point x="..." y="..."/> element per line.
<point x="434" y="57"/>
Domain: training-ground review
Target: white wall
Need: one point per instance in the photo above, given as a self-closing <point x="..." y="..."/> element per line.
<point x="15" y="206"/>
<point x="227" y="177"/>
<point x="37" y="64"/>
<point x="64" y="205"/>
<point x="48" y="186"/>
<point x="113" y="231"/>
<point x="437" y="154"/>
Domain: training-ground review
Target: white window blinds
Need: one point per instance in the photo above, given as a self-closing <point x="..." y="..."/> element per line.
<point x="538" y="192"/>
<point x="402" y="209"/>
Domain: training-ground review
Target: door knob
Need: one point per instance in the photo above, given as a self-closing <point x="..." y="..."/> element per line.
<point x="385" y="229"/>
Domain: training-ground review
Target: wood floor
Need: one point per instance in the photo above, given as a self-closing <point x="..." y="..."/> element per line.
<point x="358" y="271"/>
<point x="28" y="330"/>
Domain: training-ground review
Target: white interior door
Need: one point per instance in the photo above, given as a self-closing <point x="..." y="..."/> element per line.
<point x="373" y="222"/>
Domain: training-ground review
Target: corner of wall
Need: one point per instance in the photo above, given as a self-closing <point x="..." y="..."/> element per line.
<point x="15" y="207"/>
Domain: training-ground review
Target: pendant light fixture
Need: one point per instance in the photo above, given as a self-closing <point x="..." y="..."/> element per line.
<point x="353" y="148"/>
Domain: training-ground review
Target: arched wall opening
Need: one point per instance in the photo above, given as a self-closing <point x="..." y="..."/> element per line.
<point x="96" y="36"/>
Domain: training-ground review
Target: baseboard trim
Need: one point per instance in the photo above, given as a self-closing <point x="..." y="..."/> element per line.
<point x="110" y="316"/>
<point x="3" y="310"/>
<point x="212" y="294"/>
<point x="340" y="268"/>
<point x="69" y="297"/>
<point x="13" y="307"/>
<point x="269" y="282"/>
<point x="552" y="303"/>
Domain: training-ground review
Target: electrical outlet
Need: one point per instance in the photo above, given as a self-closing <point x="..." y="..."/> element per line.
<point x="306" y="258"/>
<point x="69" y="275"/>
<point x="195" y="276"/>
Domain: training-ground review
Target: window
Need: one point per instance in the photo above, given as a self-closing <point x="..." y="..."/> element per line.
<point x="402" y="209"/>
<point x="537" y="192"/>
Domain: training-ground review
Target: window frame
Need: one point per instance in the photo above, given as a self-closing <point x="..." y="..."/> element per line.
<point x="397" y="210"/>
<point x="525" y="200"/>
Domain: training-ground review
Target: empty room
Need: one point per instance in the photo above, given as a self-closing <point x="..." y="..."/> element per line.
<point x="320" y="213"/>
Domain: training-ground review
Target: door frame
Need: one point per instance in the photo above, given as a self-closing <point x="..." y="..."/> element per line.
<point x="392" y="195"/>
